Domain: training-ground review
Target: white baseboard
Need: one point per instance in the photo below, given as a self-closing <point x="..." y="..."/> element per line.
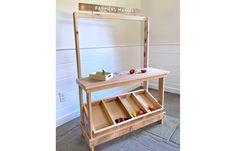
<point x="75" y="114"/>
<point x="167" y="88"/>
<point x="67" y="118"/>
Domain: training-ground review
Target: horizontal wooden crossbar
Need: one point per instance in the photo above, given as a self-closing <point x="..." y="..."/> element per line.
<point x="109" y="16"/>
<point x="109" y="9"/>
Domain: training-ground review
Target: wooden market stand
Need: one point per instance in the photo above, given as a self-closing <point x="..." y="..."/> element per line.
<point x="101" y="114"/>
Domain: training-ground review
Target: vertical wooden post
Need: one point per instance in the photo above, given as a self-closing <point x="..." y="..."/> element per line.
<point x="146" y="48"/>
<point x="161" y="93"/>
<point x="81" y="105"/>
<point x="76" y="32"/>
<point x="90" y="121"/>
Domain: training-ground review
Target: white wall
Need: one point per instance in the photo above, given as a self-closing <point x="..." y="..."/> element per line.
<point x="164" y="40"/>
<point x="110" y="45"/>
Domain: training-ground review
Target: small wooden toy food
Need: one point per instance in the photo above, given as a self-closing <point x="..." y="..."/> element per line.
<point x="117" y="120"/>
<point x="140" y="112"/>
<point x="126" y="118"/>
<point x="152" y="108"/>
<point x="143" y="70"/>
<point x="122" y="119"/>
<point x="132" y="71"/>
<point x="134" y="114"/>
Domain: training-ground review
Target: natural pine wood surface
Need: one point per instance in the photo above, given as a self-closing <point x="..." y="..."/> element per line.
<point x="122" y="78"/>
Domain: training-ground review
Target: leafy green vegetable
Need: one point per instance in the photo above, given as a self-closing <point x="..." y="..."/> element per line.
<point x="105" y="73"/>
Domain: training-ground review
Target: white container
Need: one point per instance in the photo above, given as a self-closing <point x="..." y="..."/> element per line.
<point x="100" y="76"/>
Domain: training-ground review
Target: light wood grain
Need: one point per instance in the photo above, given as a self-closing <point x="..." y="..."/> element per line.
<point x="123" y="78"/>
<point x="126" y="128"/>
<point x="116" y="109"/>
<point x="130" y="104"/>
<point x="102" y="113"/>
<point x="81" y="105"/>
<point x="107" y="112"/>
<point x="146" y="100"/>
<point x="109" y="9"/>
<point x="161" y="91"/>
<point x="100" y="117"/>
<point x="125" y="106"/>
<point x="90" y="113"/>
<point x="84" y="133"/>
<point x="146" y="49"/>
<point x="109" y="16"/>
<point x="120" y="107"/>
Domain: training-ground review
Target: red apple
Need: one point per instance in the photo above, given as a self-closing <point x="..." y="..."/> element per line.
<point x="132" y="71"/>
<point x="143" y="70"/>
<point x="122" y="119"/>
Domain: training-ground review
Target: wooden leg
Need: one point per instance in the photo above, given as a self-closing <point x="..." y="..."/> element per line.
<point x="90" y="122"/>
<point x="91" y="148"/>
<point x="145" y="85"/>
<point x="81" y="105"/>
<point x="161" y="93"/>
<point x="161" y="121"/>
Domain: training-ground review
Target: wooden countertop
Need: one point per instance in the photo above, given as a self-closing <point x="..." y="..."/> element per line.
<point x="120" y="79"/>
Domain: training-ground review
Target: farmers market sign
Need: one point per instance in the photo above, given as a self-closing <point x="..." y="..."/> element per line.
<point x="109" y="9"/>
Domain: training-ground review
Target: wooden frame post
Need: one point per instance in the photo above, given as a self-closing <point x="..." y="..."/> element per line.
<point x="75" y="19"/>
<point x="146" y="48"/>
<point x="161" y="92"/>
<point x="90" y="121"/>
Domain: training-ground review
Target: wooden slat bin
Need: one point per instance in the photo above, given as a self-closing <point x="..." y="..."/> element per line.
<point x="106" y="111"/>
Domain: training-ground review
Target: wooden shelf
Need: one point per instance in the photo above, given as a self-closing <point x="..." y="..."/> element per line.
<point x="119" y="79"/>
<point x="105" y="111"/>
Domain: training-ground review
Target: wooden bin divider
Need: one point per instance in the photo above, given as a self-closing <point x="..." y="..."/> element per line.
<point x="125" y="107"/>
<point x="138" y="102"/>
<point x="151" y="98"/>
<point x="107" y="112"/>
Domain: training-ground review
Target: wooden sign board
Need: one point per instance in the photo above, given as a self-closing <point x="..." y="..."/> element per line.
<point x="109" y="9"/>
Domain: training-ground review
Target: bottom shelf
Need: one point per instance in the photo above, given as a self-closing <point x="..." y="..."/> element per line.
<point x="122" y="110"/>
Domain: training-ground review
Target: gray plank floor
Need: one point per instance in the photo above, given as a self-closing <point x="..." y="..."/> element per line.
<point x="155" y="137"/>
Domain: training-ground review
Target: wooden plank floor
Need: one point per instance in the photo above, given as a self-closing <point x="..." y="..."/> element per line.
<point x="165" y="137"/>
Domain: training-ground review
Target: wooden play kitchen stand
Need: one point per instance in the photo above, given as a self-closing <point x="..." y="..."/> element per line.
<point x="101" y="115"/>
